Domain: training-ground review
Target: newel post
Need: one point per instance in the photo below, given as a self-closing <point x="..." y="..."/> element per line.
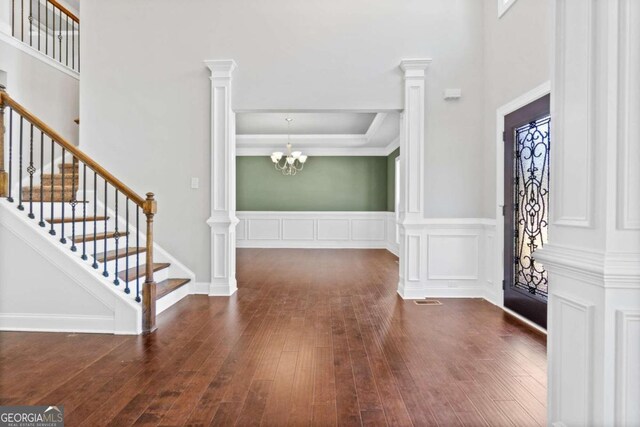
<point x="4" y="177"/>
<point x="150" y="208"/>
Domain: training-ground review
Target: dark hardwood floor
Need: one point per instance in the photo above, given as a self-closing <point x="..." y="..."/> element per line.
<point x="312" y="337"/>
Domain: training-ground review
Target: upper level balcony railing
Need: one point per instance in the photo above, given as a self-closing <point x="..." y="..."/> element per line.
<point x="48" y="27"/>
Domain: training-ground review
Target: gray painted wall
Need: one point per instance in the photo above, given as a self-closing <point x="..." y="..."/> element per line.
<point x="517" y="59"/>
<point x="145" y="92"/>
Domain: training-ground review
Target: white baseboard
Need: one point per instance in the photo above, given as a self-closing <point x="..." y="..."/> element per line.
<point x="47" y="322"/>
<point x="431" y="292"/>
<point x="199" y="288"/>
<point x="223" y="289"/>
<point x="393" y="248"/>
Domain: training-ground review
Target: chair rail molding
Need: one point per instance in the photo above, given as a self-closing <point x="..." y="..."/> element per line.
<point x="223" y="218"/>
<point x="412" y="141"/>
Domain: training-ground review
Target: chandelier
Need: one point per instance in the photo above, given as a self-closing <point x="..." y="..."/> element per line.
<point x="294" y="161"/>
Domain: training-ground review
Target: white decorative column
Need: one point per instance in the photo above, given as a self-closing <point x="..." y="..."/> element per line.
<point x="412" y="143"/>
<point x="593" y="255"/>
<point x="223" y="218"/>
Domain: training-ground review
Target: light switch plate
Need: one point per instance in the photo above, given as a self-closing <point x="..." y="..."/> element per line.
<point x="195" y="183"/>
<point x="452" y="93"/>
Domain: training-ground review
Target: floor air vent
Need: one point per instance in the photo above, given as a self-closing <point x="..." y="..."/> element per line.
<point x="428" y="302"/>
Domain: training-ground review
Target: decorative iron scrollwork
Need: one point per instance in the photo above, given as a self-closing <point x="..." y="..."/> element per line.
<point x="531" y="188"/>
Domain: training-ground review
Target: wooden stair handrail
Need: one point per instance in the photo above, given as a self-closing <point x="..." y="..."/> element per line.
<point x="64" y="10"/>
<point x="5" y="100"/>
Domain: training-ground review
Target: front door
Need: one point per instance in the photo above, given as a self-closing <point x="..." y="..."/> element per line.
<point x="526" y="209"/>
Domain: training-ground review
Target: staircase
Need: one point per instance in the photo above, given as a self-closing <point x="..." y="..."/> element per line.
<point x="91" y="214"/>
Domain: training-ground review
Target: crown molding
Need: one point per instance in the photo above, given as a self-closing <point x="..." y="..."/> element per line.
<point x="375" y="125"/>
<point x="321" y="141"/>
<point x="317" y="151"/>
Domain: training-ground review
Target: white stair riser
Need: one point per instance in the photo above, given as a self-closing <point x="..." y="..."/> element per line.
<point x="158" y="276"/>
<point x="122" y="262"/>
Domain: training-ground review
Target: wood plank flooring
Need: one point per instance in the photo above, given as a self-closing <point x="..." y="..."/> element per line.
<point x="312" y="337"/>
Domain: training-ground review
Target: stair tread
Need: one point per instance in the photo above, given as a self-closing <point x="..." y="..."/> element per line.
<point x="121" y="253"/>
<point x="132" y="273"/>
<point x="99" y="236"/>
<point x="169" y="285"/>
<point x="77" y="219"/>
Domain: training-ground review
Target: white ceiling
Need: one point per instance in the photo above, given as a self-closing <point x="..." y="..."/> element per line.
<point x="303" y="123"/>
<point x="318" y="133"/>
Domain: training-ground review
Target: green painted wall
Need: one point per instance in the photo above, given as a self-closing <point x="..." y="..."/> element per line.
<point x="391" y="179"/>
<point x="326" y="184"/>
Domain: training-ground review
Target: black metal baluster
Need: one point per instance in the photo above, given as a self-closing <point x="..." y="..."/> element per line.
<point x="73" y="203"/>
<point x="63" y="239"/>
<point x="67" y="49"/>
<point x="78" y="47"/>
<point x="13" y="18"/>
<point x="105" y="273"/>
<point x="30" y="23"/>
<point x="41" y="223"/>
<point x="46" y="27"/>
<point x="137" y="254"/>
<point x="20" y="207"/>
<point x="22" y="20"/>
<point x="10" y="198"/>
<point x="60" y="36"/>
<point x="53" y="31"/>
<point x="73" y="46"/>
<point x="126" y="267"/>
<point x="39" y="25"/>
<point x="116" y="236"/>
<point x="95" y="220"/>
<point x="52" y="231"/>
<point x="84" y="212"/>
<point x="31" y="170"/>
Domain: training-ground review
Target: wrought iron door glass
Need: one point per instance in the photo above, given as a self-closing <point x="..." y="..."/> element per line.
<point x="531" y="210"/>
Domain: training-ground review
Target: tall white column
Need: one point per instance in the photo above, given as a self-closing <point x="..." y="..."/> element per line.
<point x="593" y="257"/>
<point x="412" y="143"/>
<point x="223" y="218"/>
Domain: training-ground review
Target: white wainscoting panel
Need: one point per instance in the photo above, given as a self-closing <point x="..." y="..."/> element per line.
<point x="574" y="124"/>
<point x="314" y="229"/>
<point x="368" y="229"/>
<point x="264" y="229"/>
<point x="333" y="229"/>
<point x="452" y="256"/>
<point x="454" y="259"/>
<point x="627" y="368"/>
<point x="571" y="332"/>
<point x="298" y="229"/>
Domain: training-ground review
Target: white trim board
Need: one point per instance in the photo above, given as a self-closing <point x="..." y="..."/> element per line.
<point x="312" y="145"/>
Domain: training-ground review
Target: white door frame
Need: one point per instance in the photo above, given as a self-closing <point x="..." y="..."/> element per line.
<point x="508" y="108"/>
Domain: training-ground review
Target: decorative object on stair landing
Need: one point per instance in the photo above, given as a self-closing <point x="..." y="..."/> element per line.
<point x="294" y="160"/>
